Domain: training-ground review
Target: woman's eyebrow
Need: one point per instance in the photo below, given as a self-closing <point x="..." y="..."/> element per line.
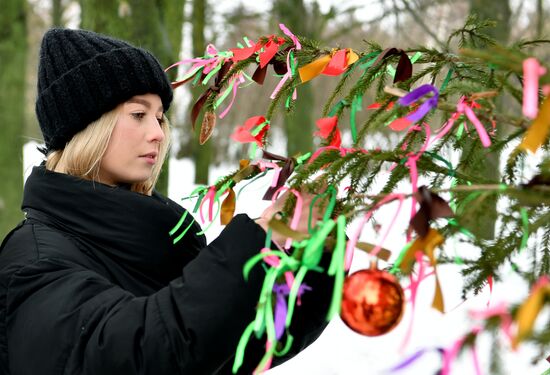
<point x="144" y="102"/>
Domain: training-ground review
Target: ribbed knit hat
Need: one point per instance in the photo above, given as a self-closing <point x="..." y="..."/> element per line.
<point x="82" y="75"/>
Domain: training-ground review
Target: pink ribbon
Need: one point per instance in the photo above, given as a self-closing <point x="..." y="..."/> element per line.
<point x="414" y="288"/>
<point x="490" y="282"/>
<point x="208" y="197"/>
<point x="450" y="354"/>
<point x="500" y="310"/>
<point x="239" y="77"/>
<point x="463" y="107"/>
<point x="272" y="260"/>
<point x="532" y="71"/>
<point x="288" y="73"/>
<point x="446" y="126"/>
<point x="262" y="164"/>
<point x="291" y="36"/>
<point x="259" y="371"/>
<point x="297" y="210"/>
<point x="350" y="247"/>
<point x="413" y="171"/>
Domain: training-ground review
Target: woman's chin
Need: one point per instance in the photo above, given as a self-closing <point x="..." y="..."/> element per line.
<point x="136" y="179"/>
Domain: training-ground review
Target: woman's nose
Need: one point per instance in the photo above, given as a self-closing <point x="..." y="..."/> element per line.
<point x="156" y="134"/>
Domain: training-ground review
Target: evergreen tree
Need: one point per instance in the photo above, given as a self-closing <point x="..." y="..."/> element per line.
<point x="441" y="102"/>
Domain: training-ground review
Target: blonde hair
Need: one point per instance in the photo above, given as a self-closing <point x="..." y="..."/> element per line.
<point x="82" y="155"/>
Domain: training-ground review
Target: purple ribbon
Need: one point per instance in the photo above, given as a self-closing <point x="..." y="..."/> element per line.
<point x="416" y="94"/>
<point x="408" y="361"/>
<point x="282" y="290"/>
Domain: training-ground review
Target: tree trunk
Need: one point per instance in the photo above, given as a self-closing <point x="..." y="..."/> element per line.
<point x="13" y="49"/>
<point x="57" y="13"/>
<point x="500" y="12"/>
<point x="300" y="123"/>
<point x="202" y="154"/>
<point x="540" y="19"/>
<point x="153" y="25"/>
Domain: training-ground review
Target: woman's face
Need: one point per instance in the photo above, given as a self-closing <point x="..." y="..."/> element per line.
<point x="134" y="145"/>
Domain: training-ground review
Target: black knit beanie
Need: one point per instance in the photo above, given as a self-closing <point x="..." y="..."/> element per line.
<point x="82" y="75"/>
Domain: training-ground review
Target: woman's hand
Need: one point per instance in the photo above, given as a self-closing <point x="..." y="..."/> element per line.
<point x="277" y="207"/>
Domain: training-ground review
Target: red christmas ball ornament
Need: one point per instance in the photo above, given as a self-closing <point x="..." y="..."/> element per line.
<point x="372" y="303"/>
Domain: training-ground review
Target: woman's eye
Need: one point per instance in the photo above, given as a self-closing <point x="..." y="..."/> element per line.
<point x="138" y="115"/>
<point x="160" y="120"/>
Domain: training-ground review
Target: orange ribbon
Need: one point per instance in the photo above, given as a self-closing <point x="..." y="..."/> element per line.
<point x="426" y="245"/>
<point x="529" y="310"/>
<point x="228" y="208"/>
<point x="539" y="129"/>
<point x="332" y="64"/>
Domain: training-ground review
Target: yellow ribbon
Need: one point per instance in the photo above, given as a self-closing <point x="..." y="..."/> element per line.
<point x="538" y="131"/>
<point x="529" y="310"/>
<point x="316" y="67"/>
<point x="228" y="208"/>
<point x="426" y="245"/>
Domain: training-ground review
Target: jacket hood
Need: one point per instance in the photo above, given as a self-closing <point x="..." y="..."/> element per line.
<point x="126" y="231"/>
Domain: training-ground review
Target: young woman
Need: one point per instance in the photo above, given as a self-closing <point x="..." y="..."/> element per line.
<point x="90" y="282"/>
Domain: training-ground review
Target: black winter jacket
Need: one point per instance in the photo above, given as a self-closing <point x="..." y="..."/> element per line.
<point x="90" y="283"/>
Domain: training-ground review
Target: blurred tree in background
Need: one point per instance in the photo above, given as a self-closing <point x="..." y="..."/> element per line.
<point x="13" y="49"/>
<point x="153" y="25"/>
<point x="157" y="25"/>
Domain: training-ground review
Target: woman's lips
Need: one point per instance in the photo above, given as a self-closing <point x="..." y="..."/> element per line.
<point x="150" y="158"/>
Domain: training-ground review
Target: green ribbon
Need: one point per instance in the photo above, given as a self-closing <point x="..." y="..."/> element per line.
<point x="356" y="105"/>
<point x="337" y="107"/>
<point x="225" y="94"/>
<point x="391" y="70"/>
<point x="301" y="159"/>
<point x="239" y="355"/>
<point x="251" y="181"/>
<point x="265" y="295"/>
<point x="268" y="354"/>
<point x="314" y="249"/>
<point x="447" y="79"/>
<point x="336" y="267"/>
<point x="258" y="257"/>
<point x="294" y="294"/>
<point x="192" y="73"/>
<point x="369" y="63"/>
<point x="362" y="64"/>
<point x="415" y="57"/>
<point x="287" y="346"/>
<point x="460" y="130"/>
<point x="451" y="173"/>
<point x="399" y="259"/>
<point x="525" y="223"/>
<point x="461" y="229"/>
<point x="252" y="150"/>
<point x="179" y="224"/>
<point x="200" y="192"/>
<point x="178" y="238"/>
<point x="211" y="73"/>
<point x="330" y="208"/>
